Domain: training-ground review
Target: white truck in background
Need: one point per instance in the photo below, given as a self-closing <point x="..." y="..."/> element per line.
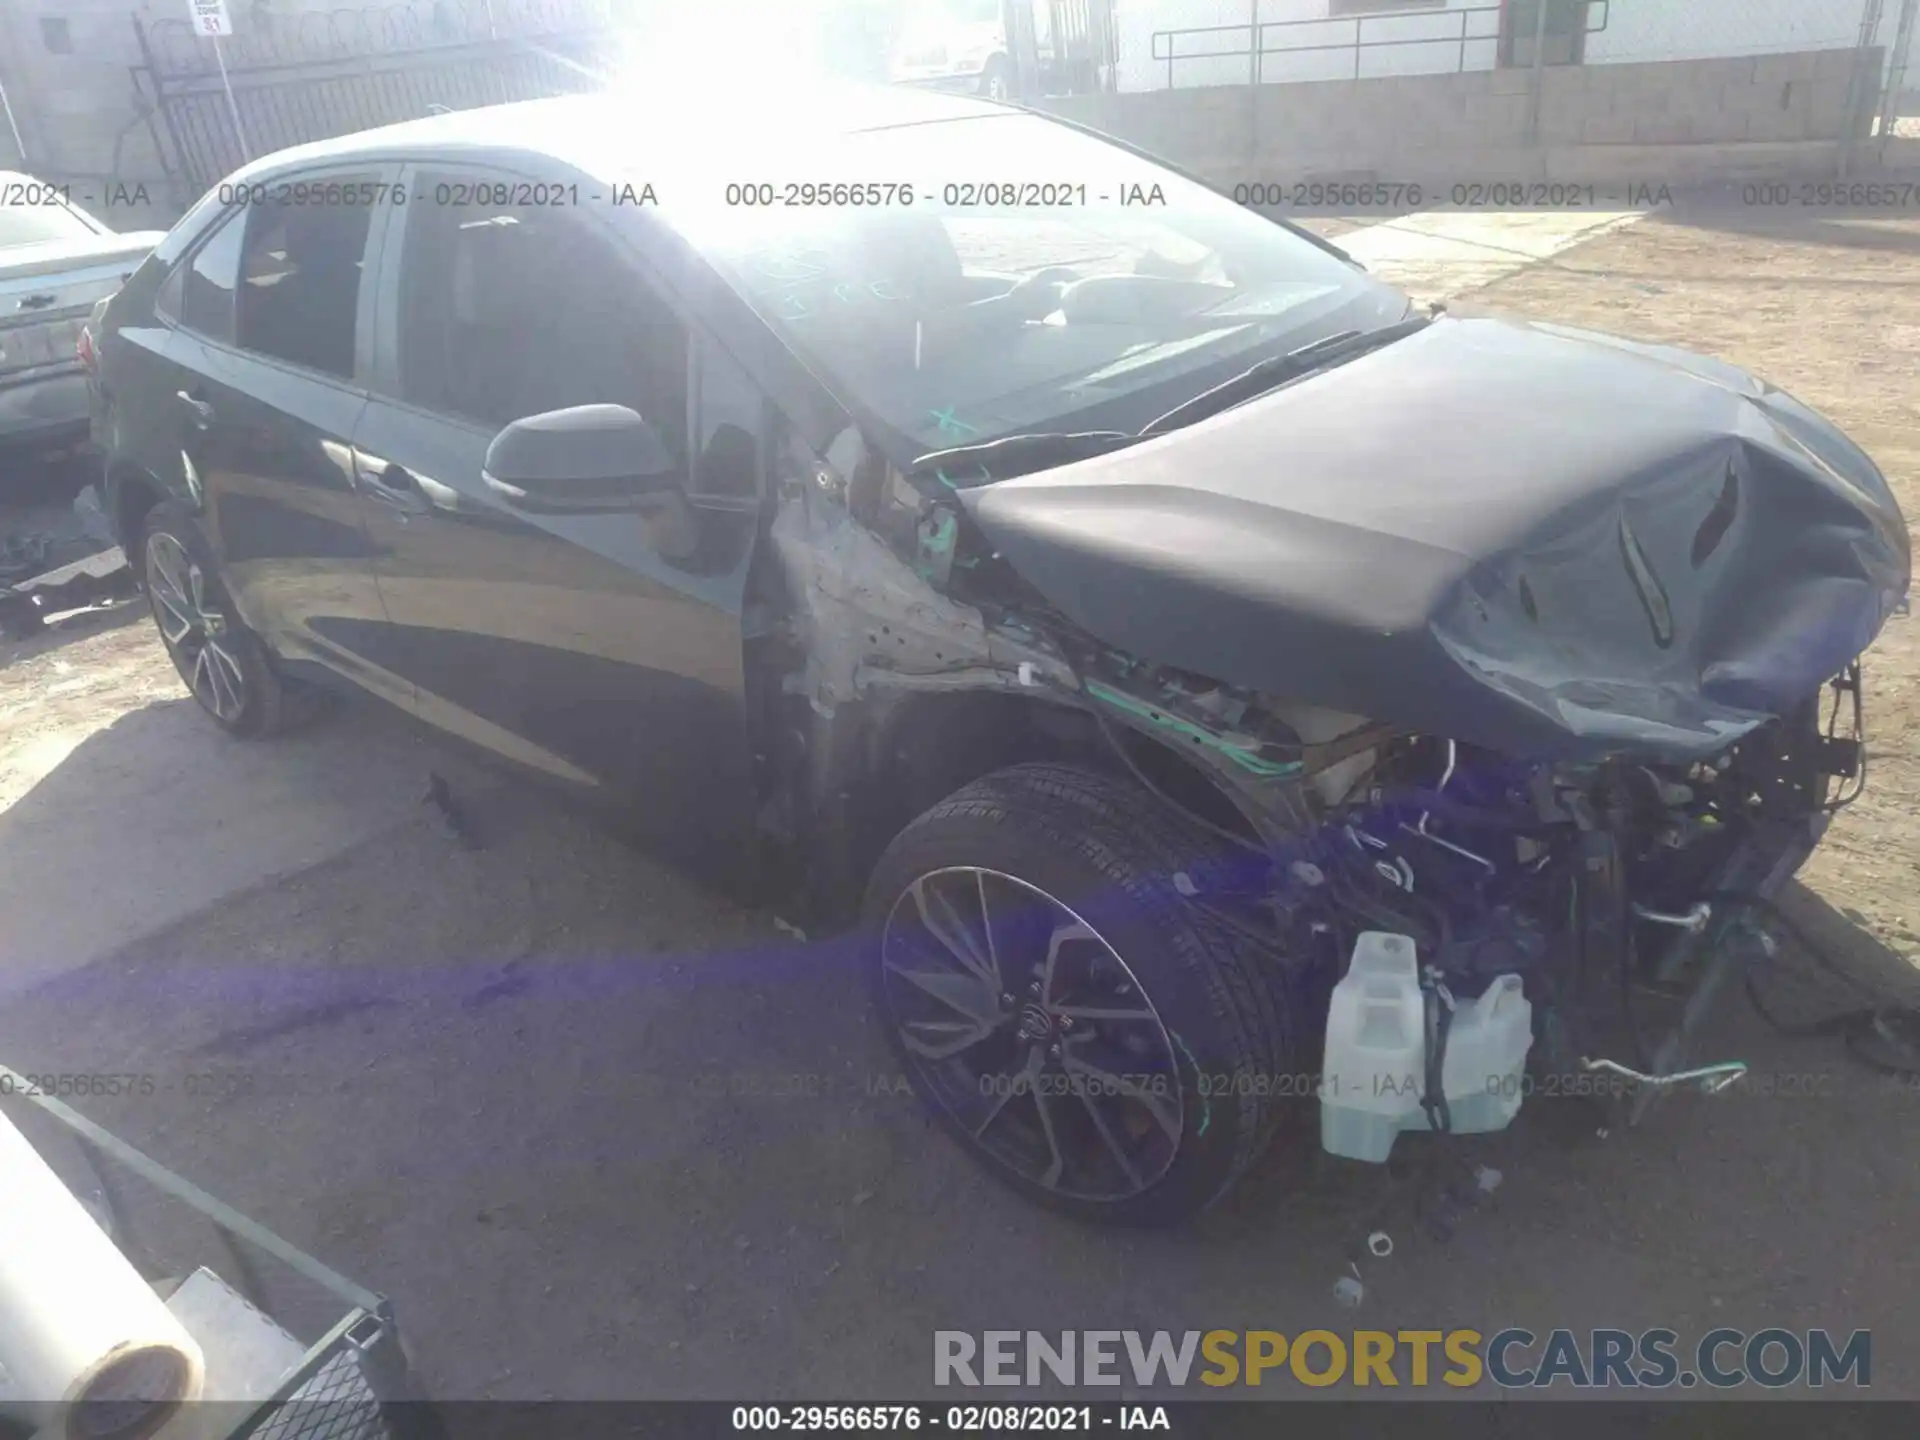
<point x="1005" y="49"/>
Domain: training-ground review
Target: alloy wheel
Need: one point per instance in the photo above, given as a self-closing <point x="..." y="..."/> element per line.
<point x="1025" y="1025"/>
<point x="197" y="632"/>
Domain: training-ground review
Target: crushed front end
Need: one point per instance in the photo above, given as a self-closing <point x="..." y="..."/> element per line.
<point x="1482" y="734"/>
<point x="1615" y="896"/>
<point x="1536" y="647"/>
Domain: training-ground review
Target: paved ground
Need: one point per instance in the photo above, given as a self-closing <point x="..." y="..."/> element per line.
<point x="601" y="1133"/>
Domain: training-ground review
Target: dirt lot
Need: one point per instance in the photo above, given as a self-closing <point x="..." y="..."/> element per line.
<point x="600" y="1133"/>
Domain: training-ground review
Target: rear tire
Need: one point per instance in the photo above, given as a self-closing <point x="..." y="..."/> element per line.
<point x="226" y="666"/>
<point x="20" y="618"/>
<point x="996" y="81"/>
<point x="1047" y="848"/>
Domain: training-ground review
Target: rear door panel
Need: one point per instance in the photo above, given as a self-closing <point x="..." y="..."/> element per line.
<point x="276" y="467"/>
<point x="267" y="445"/>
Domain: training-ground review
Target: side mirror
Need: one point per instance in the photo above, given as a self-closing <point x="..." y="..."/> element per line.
<point x="586" y="459"/>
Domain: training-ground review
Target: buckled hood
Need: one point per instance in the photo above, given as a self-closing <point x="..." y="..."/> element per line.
<point x="1535" y="538"/>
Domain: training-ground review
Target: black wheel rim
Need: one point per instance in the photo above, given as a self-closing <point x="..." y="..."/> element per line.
<point x="1027" y="1028"/>
<point x="195" y="629"/>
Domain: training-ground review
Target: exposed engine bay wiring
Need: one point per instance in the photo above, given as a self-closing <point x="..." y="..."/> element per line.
<point x="1881" y="1034"/>
<point x="1318" y="827"/>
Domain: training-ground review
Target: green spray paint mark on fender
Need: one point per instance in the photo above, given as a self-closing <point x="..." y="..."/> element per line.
<point x="1245" y="759"/>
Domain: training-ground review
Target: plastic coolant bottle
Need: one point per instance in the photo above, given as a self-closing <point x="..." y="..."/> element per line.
<point x="1374" y="1074"/>
<point x="1485" y="1060"/>
<point x="1376" y="1055"/>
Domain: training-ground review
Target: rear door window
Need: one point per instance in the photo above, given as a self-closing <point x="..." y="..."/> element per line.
<point x="200" y="294"/>
<point x="299" y="292"/>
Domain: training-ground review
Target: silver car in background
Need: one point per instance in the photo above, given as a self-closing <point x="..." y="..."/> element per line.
<point x="56" y="261"/>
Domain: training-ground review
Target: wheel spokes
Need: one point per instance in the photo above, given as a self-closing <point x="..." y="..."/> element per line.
<point x="193" y="628"/>
<point x="175" y="624"/>
<point x="965" y="1034"/>
<point x="1074" y="928"/>
<point x="228" y="683"/>
<point x="1016" y="1087"/>
<point x="1114" y="1148"/>
<point x="1102" y="1012"/>
<point x="168" y="591"/>
<point x="1164" y="1115"/>
<point x="201" y="679"/>
<point x="227" y="667"/>
<point x="957" y="992"/>
<point x="1057" y="1160"/>
<point x="986" y="929"/>
<point x="943" y="922"/>
<point x="1074" y="1084"/>
<point x="169" y="563"/>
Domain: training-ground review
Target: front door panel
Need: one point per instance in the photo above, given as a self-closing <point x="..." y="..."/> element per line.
<point x="603" y="651"/>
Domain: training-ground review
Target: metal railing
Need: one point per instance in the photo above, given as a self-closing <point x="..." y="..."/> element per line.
<point x="1254" y="42"/>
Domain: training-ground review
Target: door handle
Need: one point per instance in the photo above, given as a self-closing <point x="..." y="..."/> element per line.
<point x="390" y="485"/>
<point x="201" y="411"/>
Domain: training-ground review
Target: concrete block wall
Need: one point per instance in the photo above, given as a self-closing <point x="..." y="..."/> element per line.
<point x="73" y="106"/>
<point x="1458" y="125"/>
<point x="1718" y="101"/>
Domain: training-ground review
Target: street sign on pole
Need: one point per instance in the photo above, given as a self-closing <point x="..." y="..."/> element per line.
<point x="210" y="17"/>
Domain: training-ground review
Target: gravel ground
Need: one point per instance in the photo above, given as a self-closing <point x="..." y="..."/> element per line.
<point x="601" y="1133"/>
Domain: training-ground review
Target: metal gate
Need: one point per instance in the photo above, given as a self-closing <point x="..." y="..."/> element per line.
<point x="313" y="75"/>
<point x="1083" y="45"/>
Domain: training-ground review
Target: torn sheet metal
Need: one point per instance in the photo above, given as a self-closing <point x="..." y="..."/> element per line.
<point x="1523" y="536"/>
<point x="862" y="606"/>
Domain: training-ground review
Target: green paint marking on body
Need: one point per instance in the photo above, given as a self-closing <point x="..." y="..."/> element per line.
<point x="1240" y="756"/>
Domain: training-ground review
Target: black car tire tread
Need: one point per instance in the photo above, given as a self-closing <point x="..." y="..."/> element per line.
<point x="1257" y="989"/>
<point x="273" y="707"/>
<point x="1065" y="828"/>
<point x="20" y="618"/>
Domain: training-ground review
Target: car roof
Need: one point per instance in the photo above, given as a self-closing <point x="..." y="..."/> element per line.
<point x="615" y="134"/>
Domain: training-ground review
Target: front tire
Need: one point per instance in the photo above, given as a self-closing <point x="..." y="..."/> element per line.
<point x="1083" y="1029"/>
<point x="225" y="665"/>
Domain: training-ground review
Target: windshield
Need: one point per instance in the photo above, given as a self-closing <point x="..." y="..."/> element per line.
<point x="1038" y="279"/>
<point x="37" y="216"/>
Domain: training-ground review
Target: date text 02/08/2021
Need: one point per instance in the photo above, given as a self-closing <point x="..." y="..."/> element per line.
<point x="1342" y="197"/>
<point x="760" y="194"/>
<point x="958" y="1419"/>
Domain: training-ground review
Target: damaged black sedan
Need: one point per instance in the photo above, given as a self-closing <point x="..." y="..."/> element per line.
<point x="1221" y="695"/>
